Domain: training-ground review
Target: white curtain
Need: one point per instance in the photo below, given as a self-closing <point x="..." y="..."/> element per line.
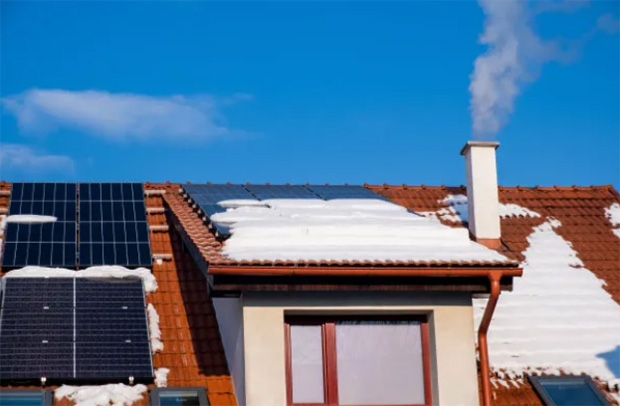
<point x="307" y="364"/>
<point x="379" y="363"/>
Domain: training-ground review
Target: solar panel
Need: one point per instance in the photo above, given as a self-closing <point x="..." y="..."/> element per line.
<point x="113" y="226"/>
<point x="328" y="192"/>
<point x="111" y="338"/>
<point x="43" y="244"/>
<point x="36" y="328"/>
<point x="83" y="329"/>
<point x="208" y="196"/>
<point x="264" y="192"/>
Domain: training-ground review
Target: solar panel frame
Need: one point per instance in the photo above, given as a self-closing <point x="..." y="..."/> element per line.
<point x="113" y="225"/>
<point x="43" y="244"/>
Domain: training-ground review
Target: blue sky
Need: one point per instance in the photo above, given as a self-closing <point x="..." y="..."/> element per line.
<point x="313" y="92"/>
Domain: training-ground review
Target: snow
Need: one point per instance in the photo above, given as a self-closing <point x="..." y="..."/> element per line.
<point x="457" y="210"/>
<point x="29" y="219"/>
<point x="557" y="318"/>
<point x="234" y="203"/>
<point x="514" y="210"/>
<point x="161" y="377"/>
<point x="342" y="229"/>
<point x="113" y="394"/>
<point x="108" y="271"/>
<point x="613" y="215"/>
<point x="154" y="331"/>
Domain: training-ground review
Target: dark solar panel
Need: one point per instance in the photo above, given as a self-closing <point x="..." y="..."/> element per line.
<point x="111" y="338"/>
<point x="85" y="329"/>
<point x="264" y="192"/>
<point x="212" y="194"/>
<point x="113" y="226"/>
<point x="36" y="328"/>
<point x="44" y="244"/>
<point x="328" y="192"/>
<point x="207" y="197"/>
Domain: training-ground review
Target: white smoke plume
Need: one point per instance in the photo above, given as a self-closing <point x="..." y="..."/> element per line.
<point x="514" y="56"/>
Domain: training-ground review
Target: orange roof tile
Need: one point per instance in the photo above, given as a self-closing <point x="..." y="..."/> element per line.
<point x="581" y="210"/>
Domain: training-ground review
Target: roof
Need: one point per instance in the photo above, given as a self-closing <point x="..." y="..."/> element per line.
<point x="193" y="349"/>
<point x="553" y="222"/>
<point x="213" y="251"/>
<point x="581" y="210"/>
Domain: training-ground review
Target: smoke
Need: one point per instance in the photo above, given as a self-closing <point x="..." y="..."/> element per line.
<point x="515" y="54"/>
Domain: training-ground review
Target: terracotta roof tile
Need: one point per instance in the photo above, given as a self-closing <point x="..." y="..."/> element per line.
<point x="581" y="210"/>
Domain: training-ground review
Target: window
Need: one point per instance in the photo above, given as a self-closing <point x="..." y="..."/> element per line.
<point x="357" y="361"/>
<point x="179" y="397"/>
<point x="568" y="390"/>
<point x="25" y="397"/>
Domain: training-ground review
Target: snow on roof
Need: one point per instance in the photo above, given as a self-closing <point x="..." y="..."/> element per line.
<point x="613" y="215"/>
<point x="558" y="316"/>
<point x="161" y="377"/>
<point x="107" y="271"/>
<point x="29" y="218"/>
<point x="154" y="331"/>
<point x="342" y="229"/>
<point x="104" y="395"/>
<point x="458" y="210"/>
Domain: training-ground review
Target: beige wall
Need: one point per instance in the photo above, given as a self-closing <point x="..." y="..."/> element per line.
<point x="453" y="358"/>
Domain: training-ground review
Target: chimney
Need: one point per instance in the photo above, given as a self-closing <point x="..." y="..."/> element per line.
<point x="482" y="193"/>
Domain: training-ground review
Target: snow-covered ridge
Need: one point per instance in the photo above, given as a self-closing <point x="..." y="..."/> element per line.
<point x="613" y="215"/>
<point x="557" y="318"/>
<point x="107" y="271"/>
<point x="105" y="395"/>
<point x="342" y="229"/>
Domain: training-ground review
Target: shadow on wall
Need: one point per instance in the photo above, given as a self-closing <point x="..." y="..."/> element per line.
<point x="612" y="358"/>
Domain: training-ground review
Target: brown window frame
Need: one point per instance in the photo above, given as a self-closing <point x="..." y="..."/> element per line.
<point x="330" y="369"/>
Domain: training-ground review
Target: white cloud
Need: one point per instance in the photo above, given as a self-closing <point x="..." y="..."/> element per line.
<point x="121" y="116"/>
<point x="608" y="23"/>
<point x="24" y="158"/>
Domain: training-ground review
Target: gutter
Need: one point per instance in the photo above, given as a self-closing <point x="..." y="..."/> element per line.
<point x="463" y="272"/>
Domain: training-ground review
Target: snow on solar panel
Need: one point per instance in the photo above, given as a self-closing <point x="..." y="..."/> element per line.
<point x="50" y="244"/>
<point x="208" y="196"/>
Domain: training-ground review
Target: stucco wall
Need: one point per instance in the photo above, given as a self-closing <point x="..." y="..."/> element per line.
<point x="229" y="314"/>
<point x="453" y="358"/>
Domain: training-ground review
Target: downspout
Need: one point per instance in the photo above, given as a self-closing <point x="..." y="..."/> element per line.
<point x="494" y="278"/>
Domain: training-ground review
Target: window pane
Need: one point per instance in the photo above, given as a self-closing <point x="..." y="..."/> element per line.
<point x="179" y="398"/>
<point x="307" y="364"/>
<point x="33" y="398"/>
<point x="379" y="363"/>
<point x="570" y="392"/>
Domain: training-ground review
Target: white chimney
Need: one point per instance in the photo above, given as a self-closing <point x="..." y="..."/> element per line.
<point x="482" y="193"/>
